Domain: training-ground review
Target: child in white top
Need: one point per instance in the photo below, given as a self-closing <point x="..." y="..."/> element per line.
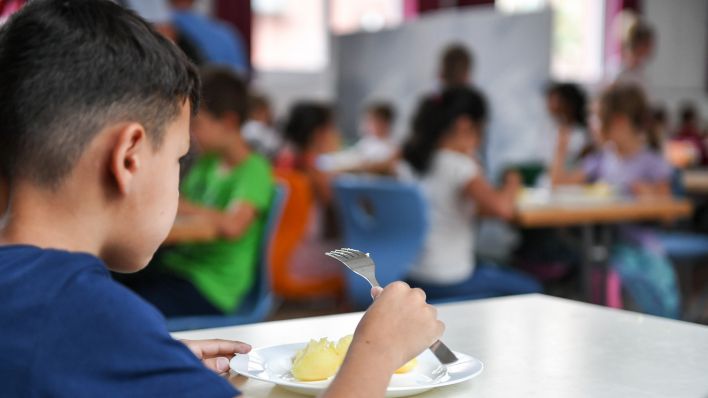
<point x="447" y="131"/>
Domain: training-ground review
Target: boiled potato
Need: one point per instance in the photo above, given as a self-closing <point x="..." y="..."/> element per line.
<point x="321" y="359"/>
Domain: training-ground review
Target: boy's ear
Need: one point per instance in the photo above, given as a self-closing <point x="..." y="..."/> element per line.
<point x="125" y="155"/>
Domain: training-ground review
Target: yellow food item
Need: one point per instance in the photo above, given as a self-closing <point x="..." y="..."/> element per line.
<point x="321" y="359"/>
<point x="410" y="365"/>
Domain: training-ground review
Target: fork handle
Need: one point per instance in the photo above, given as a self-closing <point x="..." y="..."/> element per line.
<point x="442" y="353"/>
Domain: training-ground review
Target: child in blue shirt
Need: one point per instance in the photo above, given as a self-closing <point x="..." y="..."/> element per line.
<point x="95" y="112"/>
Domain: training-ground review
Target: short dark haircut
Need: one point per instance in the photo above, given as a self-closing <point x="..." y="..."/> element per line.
<point x="455" y="64"/>
<point x="433" y="119"/>
<point x="223" y="91"/>
<point x="573" y="101"/>
<point x="383" y="111"/>
<point x="71" y="67"/>
<point x="305" y="118"/>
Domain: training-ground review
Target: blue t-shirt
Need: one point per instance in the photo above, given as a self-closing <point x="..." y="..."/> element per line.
<point x="68" y="330"/>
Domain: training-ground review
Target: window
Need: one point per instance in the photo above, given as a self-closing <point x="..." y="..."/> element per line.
<point x="578" y="31"/>
<point x="289" y="35"/>
<point x="347" y="16"/>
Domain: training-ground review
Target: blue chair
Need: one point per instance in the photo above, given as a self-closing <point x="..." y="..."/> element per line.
<point x="257" y="305"/>
<point x="385" y="218"/>
<point x="683" y="246"/>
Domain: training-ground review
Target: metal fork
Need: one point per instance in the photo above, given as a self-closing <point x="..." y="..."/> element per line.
<point x="362" y="264"/>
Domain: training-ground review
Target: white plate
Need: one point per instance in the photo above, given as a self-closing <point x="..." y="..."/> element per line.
<point x="272" y="364"/>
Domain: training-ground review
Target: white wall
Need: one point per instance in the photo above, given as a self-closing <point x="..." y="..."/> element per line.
<point x="679" y="68"/>
<point x="512" y="54"/>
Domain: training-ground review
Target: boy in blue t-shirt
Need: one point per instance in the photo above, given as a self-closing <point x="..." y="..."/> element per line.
<point x="94" y="116"/>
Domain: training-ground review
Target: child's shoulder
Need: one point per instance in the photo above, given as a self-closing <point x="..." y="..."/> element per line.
<point x="61" y="282"/>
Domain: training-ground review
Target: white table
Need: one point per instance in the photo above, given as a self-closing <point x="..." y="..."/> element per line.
<point x="532" y="346"/>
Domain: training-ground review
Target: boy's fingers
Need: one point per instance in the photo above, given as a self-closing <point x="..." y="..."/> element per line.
<point x="216" y="347"/>
<point x="218" y="365"/>
<point x="376" y="291"/>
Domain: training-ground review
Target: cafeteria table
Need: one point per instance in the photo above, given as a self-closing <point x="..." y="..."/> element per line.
<point x="531" y="346"/>
<point x="596" y="220"/>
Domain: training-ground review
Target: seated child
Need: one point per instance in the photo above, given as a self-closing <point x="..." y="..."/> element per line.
<point x="628" y="165"/>
<point x="567" y="106"/>
<point x="230" y="187"/>
<point x="375" y="152"/>
<point x="310" y="133"/>
<point x="95" y="117"/>
<point x="258" y="130"/>
<point x="447" y="130"/>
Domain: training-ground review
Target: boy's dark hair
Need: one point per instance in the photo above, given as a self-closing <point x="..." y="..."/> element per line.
<point x="434" y="118"/>
<point x="573" y="101"/>
<point x="455" y="64"/>
<point x="223" y="91"/>
<point x="383" y="111"/>
<point x="71" y="67"/>
<point x="305" y="119"/>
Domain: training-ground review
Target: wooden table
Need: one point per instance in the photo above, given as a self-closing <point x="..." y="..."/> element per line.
<point x="595" y="221"/>
<point x="532" y="346"/>
<point x="565" y="214"/>
<point x="191" y="229"/>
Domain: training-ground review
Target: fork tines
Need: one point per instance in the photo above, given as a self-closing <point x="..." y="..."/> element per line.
<point x="345" y="254"/>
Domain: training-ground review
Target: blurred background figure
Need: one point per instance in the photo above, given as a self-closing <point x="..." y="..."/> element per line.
<point x="446" y="132"/>
<point x="638" y="48"/>
<point x="456" y="66"/>
<point x="567" y="106"/>
<point x="689" y="131"/>
<point x="259" y="130"/>
<point x="375" y="152"/>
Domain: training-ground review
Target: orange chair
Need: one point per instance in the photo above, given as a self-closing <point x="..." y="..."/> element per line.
<point x="289" y="235"/>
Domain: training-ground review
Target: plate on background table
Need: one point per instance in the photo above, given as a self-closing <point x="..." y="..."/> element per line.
<point x="272" y="364"/>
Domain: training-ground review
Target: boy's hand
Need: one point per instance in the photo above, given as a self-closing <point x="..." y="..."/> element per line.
<point x="398" y="326"/>
<point x="216" y="353"/>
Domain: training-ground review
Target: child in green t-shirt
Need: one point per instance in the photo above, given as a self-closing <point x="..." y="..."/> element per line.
<point x="230" y="188"/>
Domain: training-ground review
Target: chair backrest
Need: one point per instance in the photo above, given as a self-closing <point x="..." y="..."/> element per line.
<point x="273" y="221"/>
<point x="256" y="306"/>
<point x="385" y="218"/>
<point x="292" y="227"/>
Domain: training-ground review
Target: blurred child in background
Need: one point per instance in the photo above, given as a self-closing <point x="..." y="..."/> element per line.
<point x="447" y="131"/>
<point x="230" y="187"/>
<point x="310" y="134"/>
<point x="639" y="46"/>
<point x="689" y="131"/>
<point x="375" y="152"/>
<point x="567" y="105"/>
<point x="258" y="131"/>
<point x="628" y="165"/>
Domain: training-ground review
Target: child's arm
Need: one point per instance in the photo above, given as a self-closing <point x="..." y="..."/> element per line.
<point x="559" y="174"/>
<point x="231" y="224"/>
<point x="398" y="326"/>
<point x="498" y="203"/>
